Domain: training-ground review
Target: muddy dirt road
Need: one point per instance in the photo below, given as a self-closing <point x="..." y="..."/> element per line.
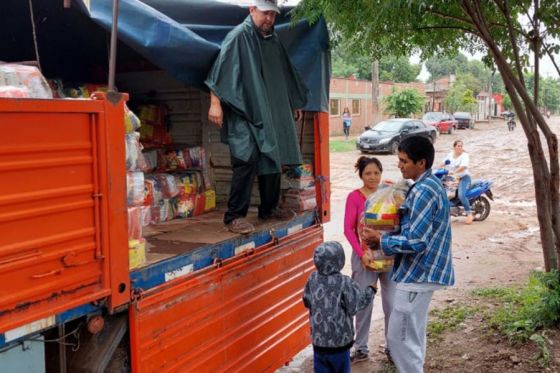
<point x="500" y="250"/>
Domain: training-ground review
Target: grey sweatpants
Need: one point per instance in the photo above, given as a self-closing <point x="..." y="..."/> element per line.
<point x="407" y="330"/>
<point x="365" y="277"/>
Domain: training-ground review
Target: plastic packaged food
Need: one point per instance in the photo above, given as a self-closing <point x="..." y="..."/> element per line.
<point x="135" y="188"/>
<point x="381" y="213"/>
<point x="24" y="76"/>
<point x="135" y="160"/>
<point x="185" y="206"/>
<point x="14" y="92"/>
<point x="168" y="185"/>
<point x="131" y="121"/>
<point x="136" y="253"/>
<point x="134" y="223"/>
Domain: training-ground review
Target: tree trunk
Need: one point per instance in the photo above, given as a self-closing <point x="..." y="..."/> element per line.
<point x="545" y="178"/>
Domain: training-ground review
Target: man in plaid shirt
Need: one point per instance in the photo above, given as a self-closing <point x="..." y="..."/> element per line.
<point x="422" y="250"/>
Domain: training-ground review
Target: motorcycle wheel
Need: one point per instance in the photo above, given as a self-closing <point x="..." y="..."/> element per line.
<point x="480" y="208"/>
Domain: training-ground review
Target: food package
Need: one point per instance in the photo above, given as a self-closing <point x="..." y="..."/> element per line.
<point x="134" y="223"/>
<point x="300" y="199"/>
<point x="136" y="253"/>
<point x="28" y="77"/>
<point x="210" y="200"/>
<point x="302" y="170"/>
<point x="11" y="91"/>
<point x="185" y="206"/>
<point x="135" y="188"/>
<point x="302" y="182"/>
<point x="161" y="212"/>
<point x="146" y="215"/>
<point x="187" y="183"/>
<point x="168" y="185"/>
<point x="131" y="121"/>
<point x="135" y="160"/>
<point x="381" y="213"/>
<point x="152" y="191"/>
<point x="381" y="208"/>
<point x="200" y="204"/>
<point x="151" y="159"/>
<point x="174" y="160"/>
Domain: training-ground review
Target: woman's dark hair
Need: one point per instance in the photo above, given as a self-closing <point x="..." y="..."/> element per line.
<point x="363" y="161"/>
<point x="418" y="148"/>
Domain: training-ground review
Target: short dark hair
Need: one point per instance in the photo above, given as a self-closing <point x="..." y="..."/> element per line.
<point x="363" y="161"/>
<point x="418" y="148"/>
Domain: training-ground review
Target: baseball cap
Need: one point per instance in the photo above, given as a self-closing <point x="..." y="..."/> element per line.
<point x="266" y="5"/>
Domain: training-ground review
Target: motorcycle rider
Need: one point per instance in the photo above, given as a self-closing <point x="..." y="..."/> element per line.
<point x="458" y="162"/>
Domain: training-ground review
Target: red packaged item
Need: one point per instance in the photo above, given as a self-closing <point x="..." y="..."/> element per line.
<point x="200" y="204"/>
<point x="134" y="223"/>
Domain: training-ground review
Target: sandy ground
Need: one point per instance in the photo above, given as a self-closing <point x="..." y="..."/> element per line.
<point x="500" y="250"/>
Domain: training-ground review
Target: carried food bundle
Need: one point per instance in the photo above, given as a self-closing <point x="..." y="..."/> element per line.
<point x="22" y="81"/>
<point x="381" y="213"/>
<point x="300" y="199"/>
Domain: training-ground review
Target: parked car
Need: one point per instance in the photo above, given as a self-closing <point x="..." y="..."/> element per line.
<point x="386" y="135"/>
<point x="464" y="120"/>
<point x="443" y="122"/>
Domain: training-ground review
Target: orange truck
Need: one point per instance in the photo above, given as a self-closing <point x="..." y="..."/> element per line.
<point x="205" y="300"/>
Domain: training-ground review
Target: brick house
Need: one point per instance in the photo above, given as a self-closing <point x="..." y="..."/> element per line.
<point x="436" y="93"/>
<point x="356" y="95"/>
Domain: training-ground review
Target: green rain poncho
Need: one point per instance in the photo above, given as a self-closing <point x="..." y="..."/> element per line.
<point x="260" y="88"/>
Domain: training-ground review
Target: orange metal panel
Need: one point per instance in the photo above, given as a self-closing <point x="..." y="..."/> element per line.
<point x="52" y="170"/>
<point x="245" y="316"/>
<point x="322" y="165"/>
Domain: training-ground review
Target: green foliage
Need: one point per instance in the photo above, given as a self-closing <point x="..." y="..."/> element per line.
<point x="448" y="319"/>
<point x="403" y="103"/>
<point x="347" y="62"/>
<point x="398" y="69"/>
<point x="443" y="66"/>
<point x="340" y="146"/>
<point x="460" y="98"/>
<point x="525" y="311"/>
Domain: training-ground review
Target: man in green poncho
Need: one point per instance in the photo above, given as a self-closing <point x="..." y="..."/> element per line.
<point x="255" y="94"/>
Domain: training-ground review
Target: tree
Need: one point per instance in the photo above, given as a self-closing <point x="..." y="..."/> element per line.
<point x="403" y="103"/>
<point x="398" y="69"/>
<point x="460" y="98"/>
<point x="347" y="62"/>
<point x="506" y="30"/>
<point x="441" y="66"/>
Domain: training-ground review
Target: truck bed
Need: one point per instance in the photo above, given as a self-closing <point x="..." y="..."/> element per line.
<point x="182" y="246"/>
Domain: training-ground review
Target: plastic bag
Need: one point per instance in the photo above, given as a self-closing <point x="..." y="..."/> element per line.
<point x="135" y="160"/>
<point x="135" y="188"/>
<point x="134" y="223"/>
<point x="381" y="213"/>
<point x="28" y="77"/>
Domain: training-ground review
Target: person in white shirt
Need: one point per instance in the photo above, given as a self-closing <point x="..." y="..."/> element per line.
<point x="458" y="163"/>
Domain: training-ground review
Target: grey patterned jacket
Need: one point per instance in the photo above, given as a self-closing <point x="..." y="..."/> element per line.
<point x="332" y="299"/>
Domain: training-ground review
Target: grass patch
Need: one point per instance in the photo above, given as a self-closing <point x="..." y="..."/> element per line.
<point x="524" y="314"/>
<point x="448" y="319"/>
<point x="339" y="146"/>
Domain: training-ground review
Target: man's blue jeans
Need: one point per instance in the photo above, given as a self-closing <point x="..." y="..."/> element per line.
<point x="464" y="185"/>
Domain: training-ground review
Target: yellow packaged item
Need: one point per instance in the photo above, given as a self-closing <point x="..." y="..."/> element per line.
<point x="136" y="253"/>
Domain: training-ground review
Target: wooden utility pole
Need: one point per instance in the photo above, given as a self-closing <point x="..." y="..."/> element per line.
<point x="375" y="91"/>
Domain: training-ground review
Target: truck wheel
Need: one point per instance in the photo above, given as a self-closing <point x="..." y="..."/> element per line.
<point x="480" y="208"/>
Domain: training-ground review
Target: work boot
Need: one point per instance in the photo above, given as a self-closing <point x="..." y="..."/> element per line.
<point x="240" y="226"/>
<point x="278" y="214"/>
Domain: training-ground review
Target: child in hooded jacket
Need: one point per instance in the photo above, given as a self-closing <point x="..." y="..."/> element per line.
<point x="333" y="299"/>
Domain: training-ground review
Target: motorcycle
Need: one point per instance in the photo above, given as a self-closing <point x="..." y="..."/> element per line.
<point x="510" y="121"/>
<point x="478" y="194"/>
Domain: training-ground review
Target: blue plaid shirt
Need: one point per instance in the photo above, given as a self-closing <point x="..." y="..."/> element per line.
<point x="422" y="248"/>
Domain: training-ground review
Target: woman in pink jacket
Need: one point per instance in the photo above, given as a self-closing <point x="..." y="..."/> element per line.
<point x="370" y="170"/>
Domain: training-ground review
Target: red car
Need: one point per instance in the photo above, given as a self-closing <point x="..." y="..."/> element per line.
<point x="443" y="122"/>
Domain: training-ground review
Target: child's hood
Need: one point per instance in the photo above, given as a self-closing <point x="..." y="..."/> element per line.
<point x="329" y="258"/>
